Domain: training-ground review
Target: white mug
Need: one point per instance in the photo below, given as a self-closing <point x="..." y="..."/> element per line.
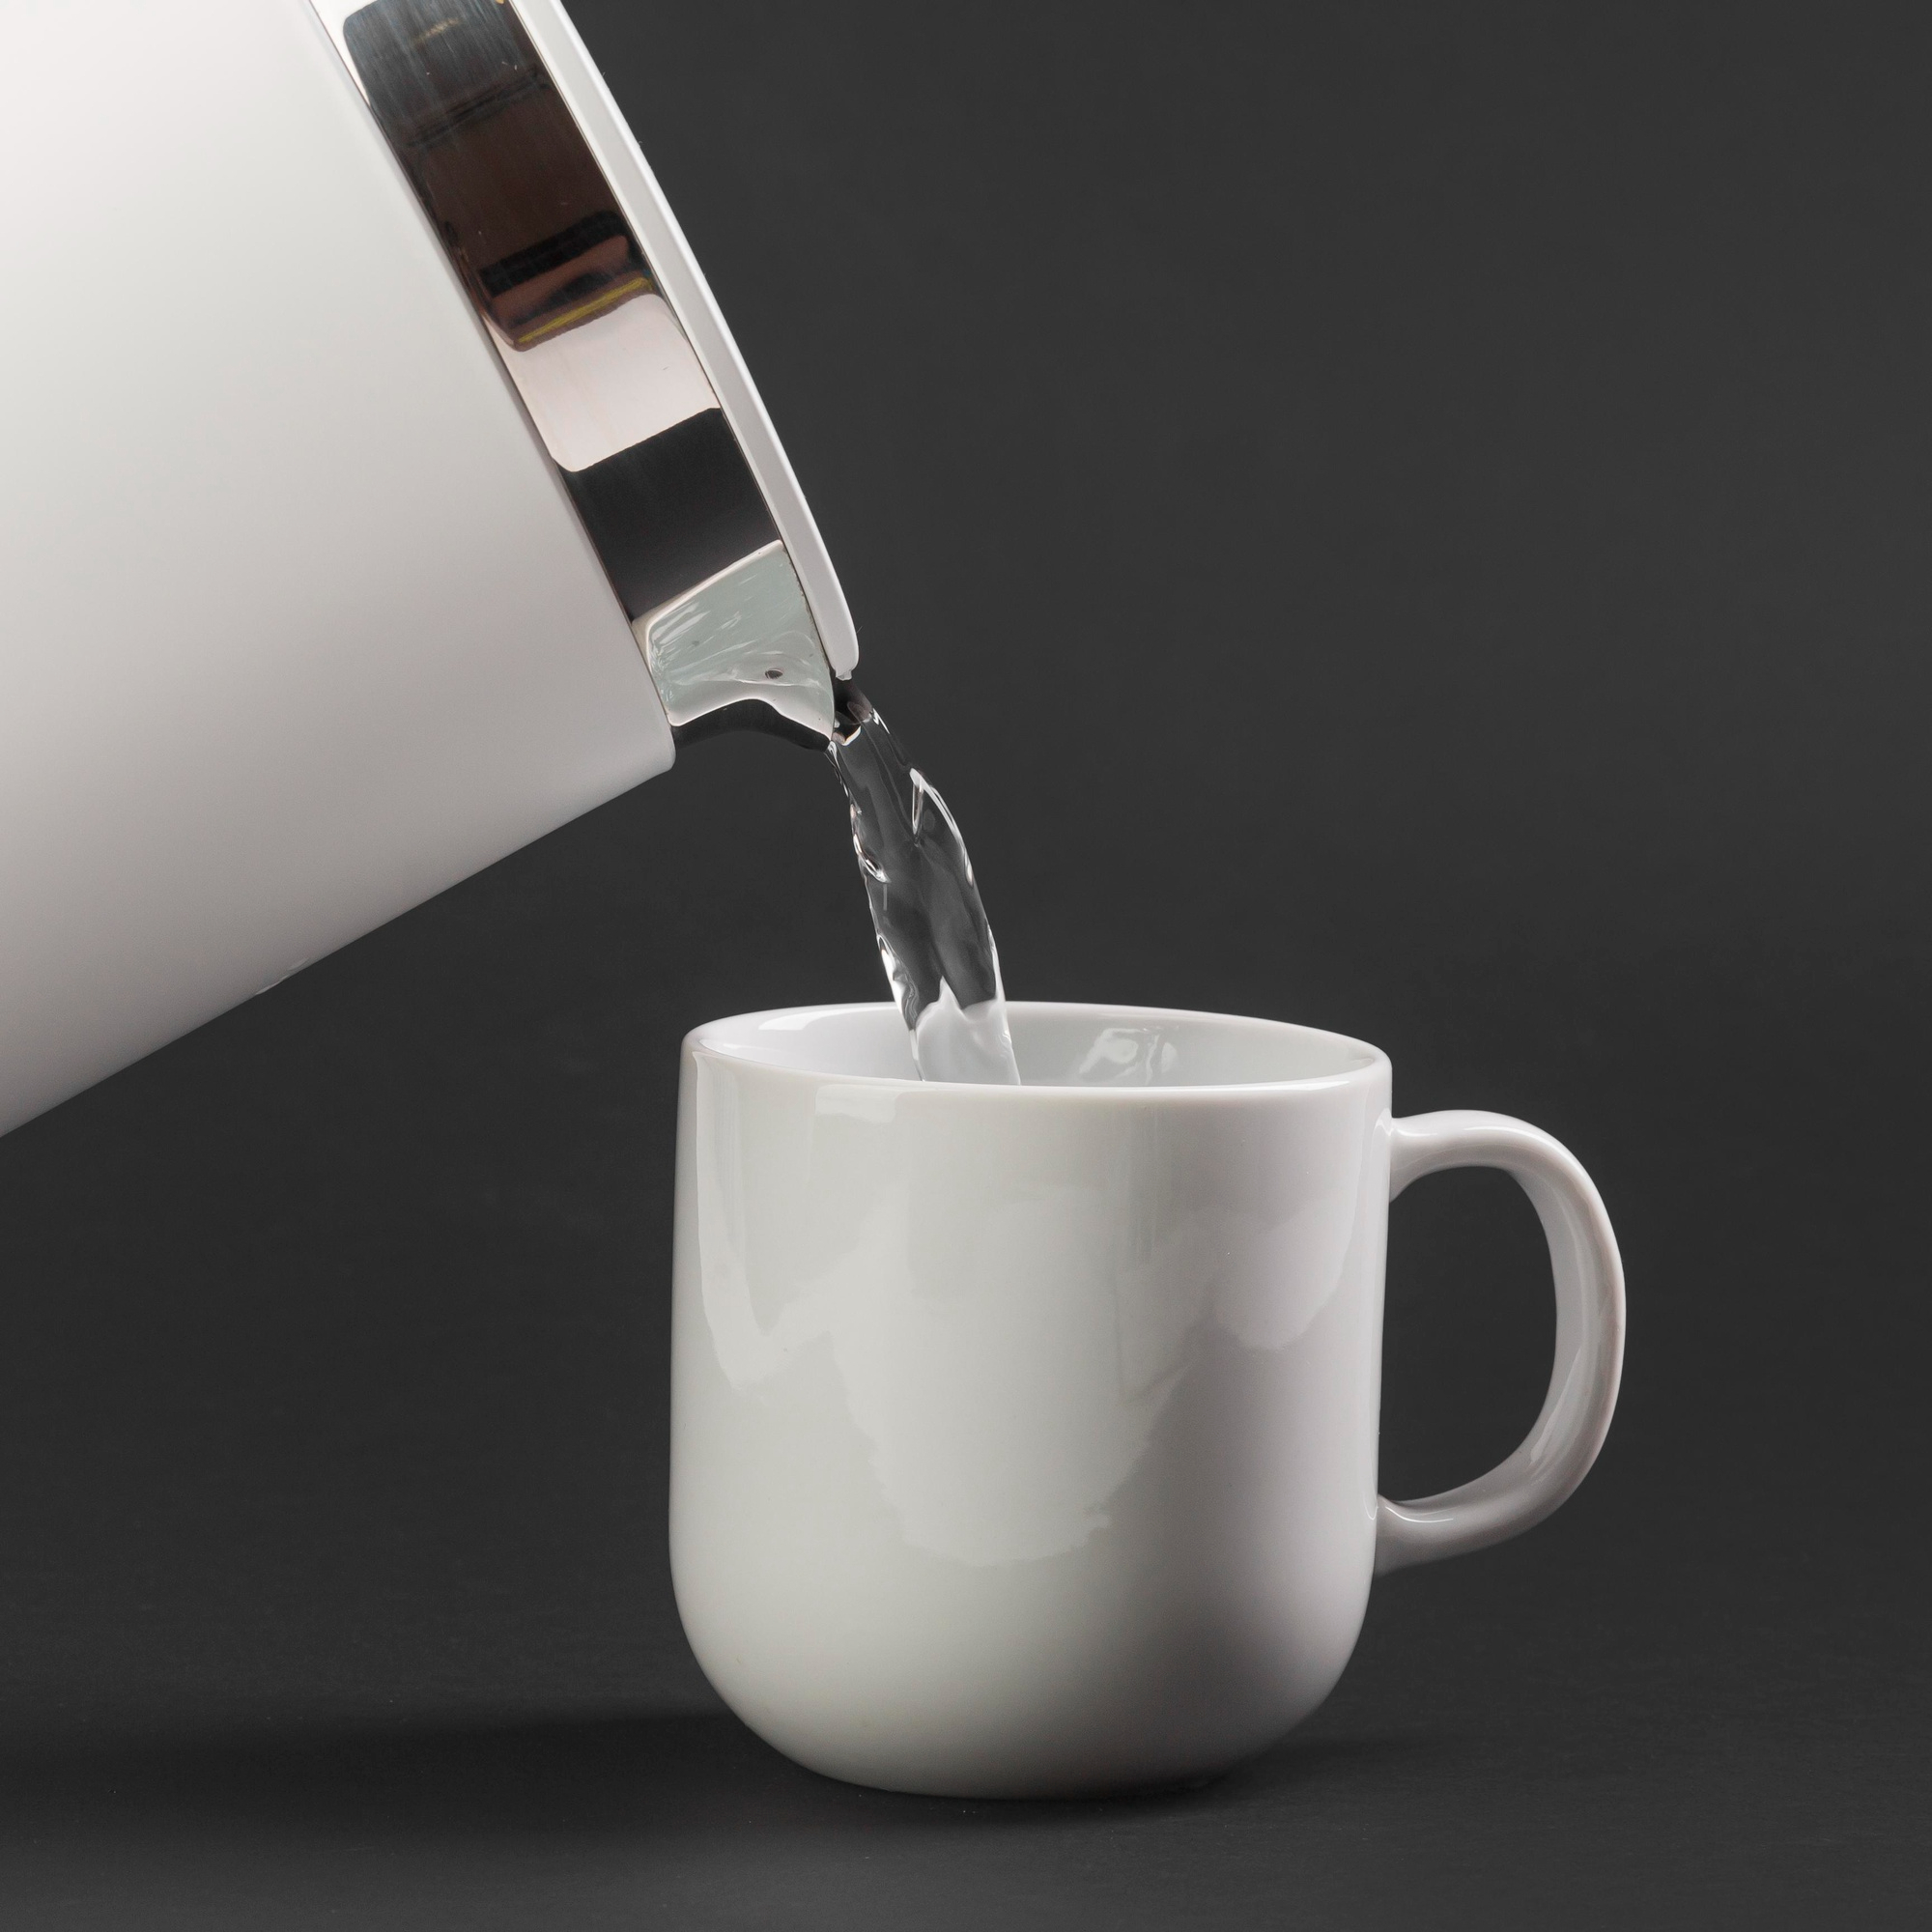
<point x="1023" y="1438"/>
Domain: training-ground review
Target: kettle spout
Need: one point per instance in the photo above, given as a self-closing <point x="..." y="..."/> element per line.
<point x="741" y="652"/>
<point x="605" y="330"/>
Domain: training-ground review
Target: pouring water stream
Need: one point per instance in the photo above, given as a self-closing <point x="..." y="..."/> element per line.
<point x="934" y="939"/>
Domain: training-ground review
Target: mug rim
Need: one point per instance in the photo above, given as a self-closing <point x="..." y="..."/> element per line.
<point x="1369" y="1060"/>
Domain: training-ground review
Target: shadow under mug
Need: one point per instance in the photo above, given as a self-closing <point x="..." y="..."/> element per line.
<point x="1023" y="1438"/>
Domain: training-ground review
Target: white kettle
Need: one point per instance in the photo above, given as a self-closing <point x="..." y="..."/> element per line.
<point x="379" y="489"/>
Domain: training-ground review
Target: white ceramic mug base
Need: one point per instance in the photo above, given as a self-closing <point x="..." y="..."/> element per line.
<point x="1024" y="1439"/>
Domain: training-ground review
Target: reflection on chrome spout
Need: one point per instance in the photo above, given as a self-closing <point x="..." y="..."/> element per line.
<point x="741" y="650"/>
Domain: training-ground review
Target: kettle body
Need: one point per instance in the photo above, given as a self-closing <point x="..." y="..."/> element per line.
<point x="336" y="561"/>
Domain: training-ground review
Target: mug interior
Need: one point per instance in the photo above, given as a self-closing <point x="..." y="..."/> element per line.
<point x="1057" y="1045"/>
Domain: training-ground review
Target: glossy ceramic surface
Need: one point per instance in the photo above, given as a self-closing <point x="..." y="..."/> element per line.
<point x="1024" y="1439"/>
<point x="311" y="583"/>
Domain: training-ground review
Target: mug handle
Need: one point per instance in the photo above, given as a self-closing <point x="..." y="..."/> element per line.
<point x="1556" y="1453"/>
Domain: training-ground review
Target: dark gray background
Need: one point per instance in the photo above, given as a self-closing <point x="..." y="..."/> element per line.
<point x="1411" y="519"/>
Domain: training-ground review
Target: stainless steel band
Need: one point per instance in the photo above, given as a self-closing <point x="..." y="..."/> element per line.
<point x="606" y="371"/>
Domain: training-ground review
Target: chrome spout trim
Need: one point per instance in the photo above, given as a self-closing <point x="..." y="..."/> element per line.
<point x="589" y="335"/>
